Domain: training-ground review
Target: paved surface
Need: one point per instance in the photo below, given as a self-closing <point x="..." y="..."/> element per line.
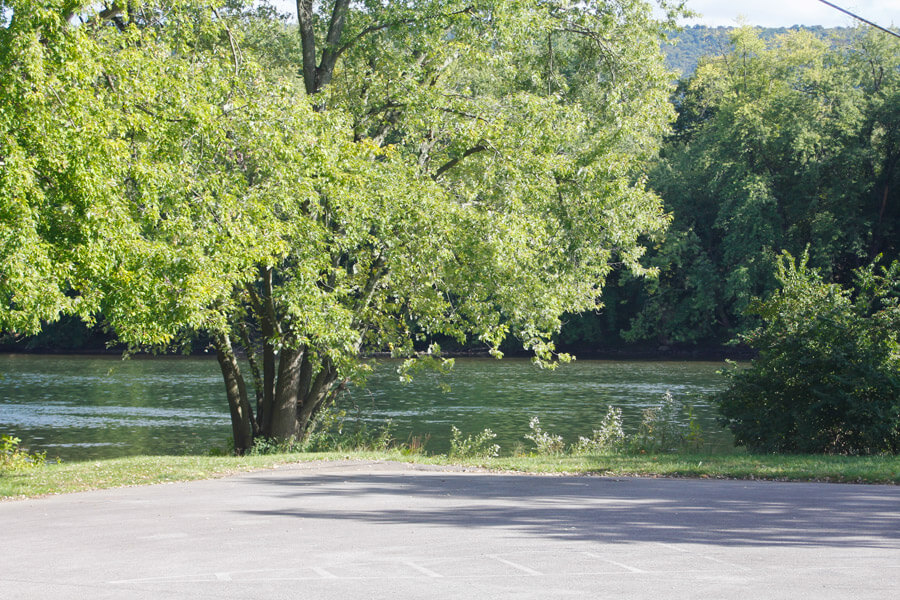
<point x="369" y="530"/>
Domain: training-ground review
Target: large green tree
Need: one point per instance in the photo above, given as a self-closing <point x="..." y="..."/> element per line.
<point x="383" y="173"/>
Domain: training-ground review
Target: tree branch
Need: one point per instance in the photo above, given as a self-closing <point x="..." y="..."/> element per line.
<point x="269" y="299"/>
<point x="234" y="48"/>
<point x="254" y="364"/>
<point x="330" y="53"/>
<point x="147" y="111"/>
<point x="377" y="272"/>
<point x="452" y="163"/>
<point x="599" y="40"/>
<point x="382" y="26"/>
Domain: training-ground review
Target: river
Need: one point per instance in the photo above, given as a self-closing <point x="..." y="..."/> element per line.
<point x="88" y="407"/>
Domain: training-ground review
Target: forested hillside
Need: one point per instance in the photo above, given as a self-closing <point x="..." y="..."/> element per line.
<point x="692" y="43"/>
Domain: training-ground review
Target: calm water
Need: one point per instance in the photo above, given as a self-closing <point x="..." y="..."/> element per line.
<point x="77" y="407"/>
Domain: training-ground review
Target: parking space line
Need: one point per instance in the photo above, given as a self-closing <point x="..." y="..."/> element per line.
<point x="522" y="568"/>
<point x="323" y="573"/>
<point x="618" y="564"/>
<point x="421" y="569"/>
<point x="704" y="556"/>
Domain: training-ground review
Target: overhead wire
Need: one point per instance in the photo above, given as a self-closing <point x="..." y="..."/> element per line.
<point x="875" y="25"/>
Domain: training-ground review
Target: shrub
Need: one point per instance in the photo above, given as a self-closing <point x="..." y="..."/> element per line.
<point x="827" y="379"/>
<point x="610" y="437"/>
<point x="478" y="446"/>
<point x="662" y="428"/>
<point x="14" y="459"/>
<point x="545" y="442"/>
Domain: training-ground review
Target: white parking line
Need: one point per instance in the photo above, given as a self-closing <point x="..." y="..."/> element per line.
<point x="223" y="576"/>
<point x="704" y="556"/>
<point x="618" y="564"/>
<point x="323" y="573"/>
<point x="421" y="569"/>
<point x="522" y="568"/>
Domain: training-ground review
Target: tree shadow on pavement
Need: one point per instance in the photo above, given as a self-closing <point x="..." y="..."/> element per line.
<point x="606" y="510"/>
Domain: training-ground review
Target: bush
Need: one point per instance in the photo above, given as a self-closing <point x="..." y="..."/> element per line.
<point x="478" y="446"/>
<point x="14" y="459"/>
<point x="546" y="443"/>
<point x="662" y="428"/>
<point x="827" y="379"/>
<point x="609" y="438"/>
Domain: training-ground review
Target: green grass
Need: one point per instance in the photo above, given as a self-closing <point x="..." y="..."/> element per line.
<point x="144" y="470"/>
<point x="68" y="477"/>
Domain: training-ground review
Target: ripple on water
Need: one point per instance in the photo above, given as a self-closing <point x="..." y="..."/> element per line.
<point x="107" y="407"/>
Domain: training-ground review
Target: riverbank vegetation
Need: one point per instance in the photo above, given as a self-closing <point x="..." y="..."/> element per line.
<point x="667" y="443"/>
<point x="14" y="459"/>
<point x="66" y="478"/>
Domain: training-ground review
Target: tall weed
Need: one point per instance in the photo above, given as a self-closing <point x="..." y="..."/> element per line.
<point x="480" y="445"/>
<point x="662" y="428"/>
<point x="609" y="438"/>
<point x="545" y="442"/>
<point x="14" y="459"/>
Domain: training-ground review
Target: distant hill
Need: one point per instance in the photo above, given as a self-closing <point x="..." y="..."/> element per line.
<point x="697" y="41"/>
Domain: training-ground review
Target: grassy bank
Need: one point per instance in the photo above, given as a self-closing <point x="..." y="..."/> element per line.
<point x="143" y="470"/>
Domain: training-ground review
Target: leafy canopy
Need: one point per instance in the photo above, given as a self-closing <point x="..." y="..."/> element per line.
<point x="151" y="165"/>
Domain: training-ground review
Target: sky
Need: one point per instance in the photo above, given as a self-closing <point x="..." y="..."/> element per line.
<point x="784" y="13"/>
<point x="772" y="13"/>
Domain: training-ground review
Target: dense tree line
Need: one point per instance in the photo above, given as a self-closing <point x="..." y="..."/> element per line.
<point x="778" y="145"/>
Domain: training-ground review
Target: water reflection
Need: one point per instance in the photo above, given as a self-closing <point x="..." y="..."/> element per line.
<point x="78" y="407"/>
<point x="504" y="395"/>
<point x="91" y="407"/>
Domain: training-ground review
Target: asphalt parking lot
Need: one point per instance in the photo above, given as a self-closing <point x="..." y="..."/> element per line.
<point x="350" y="530"/>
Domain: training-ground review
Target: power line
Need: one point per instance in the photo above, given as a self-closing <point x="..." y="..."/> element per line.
<point x="847" y="12"/>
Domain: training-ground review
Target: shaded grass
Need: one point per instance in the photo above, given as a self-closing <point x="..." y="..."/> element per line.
<point x="839" y="469"/>
<point x="143" y="470"/>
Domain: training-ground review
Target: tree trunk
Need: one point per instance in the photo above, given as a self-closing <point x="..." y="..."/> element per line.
<point x="308" y="44"/>
<point x="269" y="325"/>
<point x="303" y="388"/>
<point x="242" y="424"/>
<point x="315" y="395"/>
<point x="284" y="424"/>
